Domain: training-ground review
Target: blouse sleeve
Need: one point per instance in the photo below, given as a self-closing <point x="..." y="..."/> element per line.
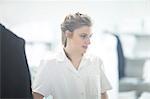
<point x="42" y="83"/>
<point x="105" y="85"/>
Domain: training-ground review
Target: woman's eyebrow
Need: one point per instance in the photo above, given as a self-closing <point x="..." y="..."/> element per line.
<point x="86" y="33"/>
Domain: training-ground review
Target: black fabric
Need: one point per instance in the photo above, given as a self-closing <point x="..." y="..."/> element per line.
<point x="15" y="75"/>
<point x="121" y="59"/>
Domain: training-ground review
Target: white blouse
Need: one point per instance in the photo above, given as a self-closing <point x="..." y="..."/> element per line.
<point x="58" y="77"/>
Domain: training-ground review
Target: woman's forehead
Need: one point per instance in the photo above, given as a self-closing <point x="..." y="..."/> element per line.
<point x="83" y="30"/>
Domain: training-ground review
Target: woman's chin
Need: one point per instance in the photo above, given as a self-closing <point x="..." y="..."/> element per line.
<point x="84" y="51"/>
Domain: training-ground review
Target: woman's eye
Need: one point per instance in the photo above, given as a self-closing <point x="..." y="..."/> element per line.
<point x="83" y="36"/>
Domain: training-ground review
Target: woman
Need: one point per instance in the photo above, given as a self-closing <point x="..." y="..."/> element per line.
<point x="72" y="73"/>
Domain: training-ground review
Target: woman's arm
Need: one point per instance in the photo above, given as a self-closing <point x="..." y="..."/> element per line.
<point x="104" y="95"/>
<point x="37" y="96"/>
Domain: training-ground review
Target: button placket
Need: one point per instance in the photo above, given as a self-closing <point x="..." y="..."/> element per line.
<point x="82" y="87"/>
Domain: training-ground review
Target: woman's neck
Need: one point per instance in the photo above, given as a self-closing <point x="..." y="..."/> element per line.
<point x="72" y="54"/>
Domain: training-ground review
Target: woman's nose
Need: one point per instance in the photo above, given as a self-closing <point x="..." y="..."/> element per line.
<point x="88" y="41"/>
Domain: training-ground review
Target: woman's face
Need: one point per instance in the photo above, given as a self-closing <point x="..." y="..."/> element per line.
<point x="80" y="39"/>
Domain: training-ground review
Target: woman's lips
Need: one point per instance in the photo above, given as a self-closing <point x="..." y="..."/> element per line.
<point x="85" y="47"/>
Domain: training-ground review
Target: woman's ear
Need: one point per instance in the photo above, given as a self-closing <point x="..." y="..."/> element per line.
<point x="68" y="34"/>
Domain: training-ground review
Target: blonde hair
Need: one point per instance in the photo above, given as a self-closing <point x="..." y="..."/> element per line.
<point x="72" y="22"/>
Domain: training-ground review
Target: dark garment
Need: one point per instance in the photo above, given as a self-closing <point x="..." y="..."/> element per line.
<point x="121" y="59"/>
<point x="15" y="75"/>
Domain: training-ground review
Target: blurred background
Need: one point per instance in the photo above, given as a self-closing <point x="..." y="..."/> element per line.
<point x="121" y="37"/>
